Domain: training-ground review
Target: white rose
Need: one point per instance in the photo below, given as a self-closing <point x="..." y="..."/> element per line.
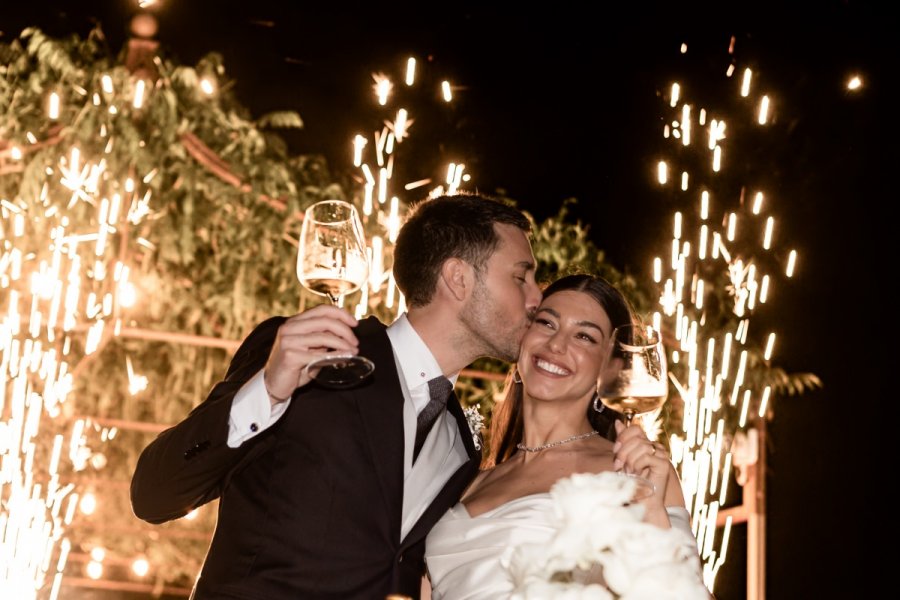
<point x="644" y="546"/>
<point x="617" y="573"/>
<point x="675" y="581"/>
<point x="576" y="496"/>
<point x="595" y="592"/>
<point x="525" y="564"/>
<point x="589" y="509"/>
<point x="545" y="590"/>
<point x="603" y="535"/>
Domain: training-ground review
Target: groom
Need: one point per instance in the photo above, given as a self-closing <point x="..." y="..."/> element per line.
<point x="330" y="493"/>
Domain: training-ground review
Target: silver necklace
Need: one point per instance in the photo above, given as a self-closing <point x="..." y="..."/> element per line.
<point x="574" y="438"/>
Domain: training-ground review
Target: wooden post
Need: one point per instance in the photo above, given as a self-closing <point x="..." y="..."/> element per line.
<point x="142" y="48"/>
<point x="755" y="498"/>
<point x="752" y="511"/>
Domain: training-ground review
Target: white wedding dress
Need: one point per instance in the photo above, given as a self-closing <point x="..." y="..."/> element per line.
<point x="464" y="554"/>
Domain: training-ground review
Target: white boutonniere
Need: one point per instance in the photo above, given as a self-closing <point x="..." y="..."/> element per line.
<point x="476" y="423"/>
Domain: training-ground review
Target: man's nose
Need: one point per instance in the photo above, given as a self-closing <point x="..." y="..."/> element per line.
<point x="532" y="297"/>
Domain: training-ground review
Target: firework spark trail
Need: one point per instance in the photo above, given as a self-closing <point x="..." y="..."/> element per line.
<point x="382" y="199"/>
<point x="63" y="286"/>
<point x="734" y="257"/>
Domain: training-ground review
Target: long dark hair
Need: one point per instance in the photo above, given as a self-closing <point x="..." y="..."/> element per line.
<point x="506" y="421"/>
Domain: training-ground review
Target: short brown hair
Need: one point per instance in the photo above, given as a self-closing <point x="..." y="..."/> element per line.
<point x="447" y="227"/>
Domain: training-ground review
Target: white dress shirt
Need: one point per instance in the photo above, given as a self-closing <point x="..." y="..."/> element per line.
<point x="252" y="411"/>
<point x="416" y="364"/>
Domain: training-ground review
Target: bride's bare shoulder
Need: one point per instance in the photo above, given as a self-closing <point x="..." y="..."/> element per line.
<point x="598" y="456"/>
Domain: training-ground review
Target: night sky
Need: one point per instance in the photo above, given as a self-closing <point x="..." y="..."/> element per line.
<point x="562" y="102"/>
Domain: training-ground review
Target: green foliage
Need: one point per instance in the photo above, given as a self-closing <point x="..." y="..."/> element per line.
<point x="218" y="257"/>
<point x="280" y="120"/>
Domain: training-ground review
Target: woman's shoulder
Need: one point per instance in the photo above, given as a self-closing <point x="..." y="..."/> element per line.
<point x="600" y="445"/>
<point x="597" y="456"/>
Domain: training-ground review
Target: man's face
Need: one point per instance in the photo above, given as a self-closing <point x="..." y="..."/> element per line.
<point x="505" y="297"/>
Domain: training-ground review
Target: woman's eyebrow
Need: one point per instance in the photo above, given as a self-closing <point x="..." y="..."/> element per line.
<point x="590" y="324"/>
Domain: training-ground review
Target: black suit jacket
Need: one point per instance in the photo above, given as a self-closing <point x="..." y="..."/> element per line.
<point x="311" y="507"/>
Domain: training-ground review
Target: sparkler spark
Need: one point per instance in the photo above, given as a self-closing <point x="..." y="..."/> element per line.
<point x="384" y="216"/>
<point x="410" y="71"/>
<point x="383" y="87"/>
<point x="61" y="286"/>
<point x="709" y="368"/>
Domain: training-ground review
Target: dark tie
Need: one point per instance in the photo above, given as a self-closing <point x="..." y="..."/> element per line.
<point x="439" y="390"/>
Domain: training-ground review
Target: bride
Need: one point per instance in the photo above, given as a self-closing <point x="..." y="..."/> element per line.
<point x="545" y="430"/>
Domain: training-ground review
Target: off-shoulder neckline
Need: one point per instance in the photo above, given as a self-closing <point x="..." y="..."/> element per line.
<point x="465" y="509"/>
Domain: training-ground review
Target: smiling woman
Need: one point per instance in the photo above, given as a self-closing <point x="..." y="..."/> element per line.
<point x="562" y="350"/>
<point x="547" y="430"/>
<point x="562" y="354"/>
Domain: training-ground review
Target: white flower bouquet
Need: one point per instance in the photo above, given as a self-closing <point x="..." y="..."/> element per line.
<point x="603" y="550"/>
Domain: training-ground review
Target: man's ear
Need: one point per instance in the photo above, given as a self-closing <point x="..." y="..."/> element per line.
<point x="458" y="278"/>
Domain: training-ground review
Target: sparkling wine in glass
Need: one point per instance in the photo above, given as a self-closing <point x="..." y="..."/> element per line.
<point x="332" y="262"/>
<point x="634" y="379"/>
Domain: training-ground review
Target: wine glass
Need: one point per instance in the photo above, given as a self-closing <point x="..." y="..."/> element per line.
<point x="633" y="379"/>
<point x="332" y="262"/>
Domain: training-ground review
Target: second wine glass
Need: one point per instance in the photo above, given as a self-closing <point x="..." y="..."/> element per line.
<point x="633" y="377"/>
<point x="332" y="262"/>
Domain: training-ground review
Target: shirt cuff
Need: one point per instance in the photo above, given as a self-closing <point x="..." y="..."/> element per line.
<point x="252" y="411"/>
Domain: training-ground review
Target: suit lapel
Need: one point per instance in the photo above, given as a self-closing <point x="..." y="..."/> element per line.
<point x="455" y="486"/>
<point x="380" y="401"/>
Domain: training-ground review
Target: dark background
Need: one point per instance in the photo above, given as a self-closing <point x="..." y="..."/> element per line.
<point x="561" y="101"/>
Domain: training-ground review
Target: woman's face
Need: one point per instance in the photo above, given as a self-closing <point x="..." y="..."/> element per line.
<point x="562" y="352"/>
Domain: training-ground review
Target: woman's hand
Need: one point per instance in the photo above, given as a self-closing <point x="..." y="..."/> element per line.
<point x="304" y="337"/>
<point x="637" y="455"/>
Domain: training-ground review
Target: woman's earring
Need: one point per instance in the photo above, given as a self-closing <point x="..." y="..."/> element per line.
<point x="516" y="377"/>
<point x="599" y="408"/>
